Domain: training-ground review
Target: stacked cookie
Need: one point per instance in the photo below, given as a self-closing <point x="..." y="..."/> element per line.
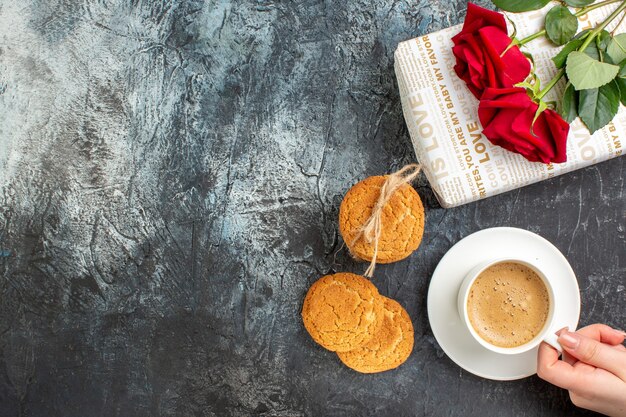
<point x="402" y="221"/>
<point x="345" y="313"/>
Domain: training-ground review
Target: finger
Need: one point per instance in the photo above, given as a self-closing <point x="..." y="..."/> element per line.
<point x="568" y="358"/>
<point x="594" y="353"/>
<point x="603" y="333"/>
<point x="572" y="360"/>
<point x="582" y="367"/>
<point x="564" y="356"/>
<point x="555" y="371"/>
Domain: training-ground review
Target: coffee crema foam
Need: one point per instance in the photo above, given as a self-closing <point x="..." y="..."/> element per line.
<point x="508" y="304"/>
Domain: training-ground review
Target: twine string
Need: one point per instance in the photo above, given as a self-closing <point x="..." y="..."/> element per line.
<point x="372" y="228"/>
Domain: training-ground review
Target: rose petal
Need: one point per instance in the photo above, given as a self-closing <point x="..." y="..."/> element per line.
<point x="514" y="65"/>
<point x="560" y="130"/>
<point x="478" y="47"/>
<point x="484" y="16"/>
<point x="507" y="115"/>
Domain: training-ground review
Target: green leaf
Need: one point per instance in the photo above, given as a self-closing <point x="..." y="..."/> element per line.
<point x="602" y="42"/>
<point x="561" y="25"/>
<point x="561" y="57"/>
<point x="585" y="72"/>
<point x="583" y="34"/>
<point x="622" y="69"/>
<point x="569" y="104"/>
<point x="598" y="106"/>
<point x="617" y="48"/>
<point x="579" y="3"/>
<point x="593" y="51"/>
<point x="622" y="88"/>
<point x="621" y="82"/>
<point x="606" y="58"/>
<point x="517" y="6"/>
<point x="603" y="39"/>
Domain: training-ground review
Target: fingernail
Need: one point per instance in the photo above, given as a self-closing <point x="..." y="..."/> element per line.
<point x="569" y="340"/>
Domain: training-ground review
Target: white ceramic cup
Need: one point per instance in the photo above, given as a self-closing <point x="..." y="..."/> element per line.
<point x="547" y="334"/>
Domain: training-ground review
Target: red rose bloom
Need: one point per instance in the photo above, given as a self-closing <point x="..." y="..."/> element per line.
<point x="507" y="117"/>
<point x="478" y="47"/>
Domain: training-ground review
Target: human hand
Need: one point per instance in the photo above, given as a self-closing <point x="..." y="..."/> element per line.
<point x="593" y="368"/>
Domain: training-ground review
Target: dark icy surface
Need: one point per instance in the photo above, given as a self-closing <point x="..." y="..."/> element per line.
<point x="170" y="176"/>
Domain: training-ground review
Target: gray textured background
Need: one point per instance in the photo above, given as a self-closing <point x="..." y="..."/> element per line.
<point x="170" y="176"/>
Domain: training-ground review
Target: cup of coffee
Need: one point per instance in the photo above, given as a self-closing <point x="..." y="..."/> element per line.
<point x="508" y="306"/>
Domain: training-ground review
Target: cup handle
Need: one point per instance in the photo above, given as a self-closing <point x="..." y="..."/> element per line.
<point x="552" y="339"/>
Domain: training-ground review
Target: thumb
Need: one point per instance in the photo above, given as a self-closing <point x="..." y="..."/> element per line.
<point x="594" y="353"/>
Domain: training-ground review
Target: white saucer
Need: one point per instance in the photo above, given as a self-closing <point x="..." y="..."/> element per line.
<point x="499" y="242"/>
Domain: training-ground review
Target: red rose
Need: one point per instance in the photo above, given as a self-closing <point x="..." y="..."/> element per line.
<point x="478" y="48"/>
<point x="507" y="117"/>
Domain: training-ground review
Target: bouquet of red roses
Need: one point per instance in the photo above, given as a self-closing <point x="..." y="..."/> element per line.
<point x="500" y="73"/>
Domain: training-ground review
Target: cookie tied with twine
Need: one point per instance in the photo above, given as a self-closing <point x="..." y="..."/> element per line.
<point x="381" y="218"/>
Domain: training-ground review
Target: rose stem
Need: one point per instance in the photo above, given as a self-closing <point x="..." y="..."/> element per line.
<point x="592" y="35"/>
<point x="532" y="37"/>
<point x="598" y="29"/>
<point x="551" y="84"/>
<point x="618" y="24"/>
<point x="583" y="11"/>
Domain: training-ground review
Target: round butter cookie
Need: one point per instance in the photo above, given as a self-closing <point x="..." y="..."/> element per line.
<point x="389" y="348"/>
<point x="342" y="311"/>
<point x="402" y="221"/>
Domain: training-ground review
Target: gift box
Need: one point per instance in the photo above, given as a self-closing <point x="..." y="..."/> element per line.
<point x="442" y="118"/>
